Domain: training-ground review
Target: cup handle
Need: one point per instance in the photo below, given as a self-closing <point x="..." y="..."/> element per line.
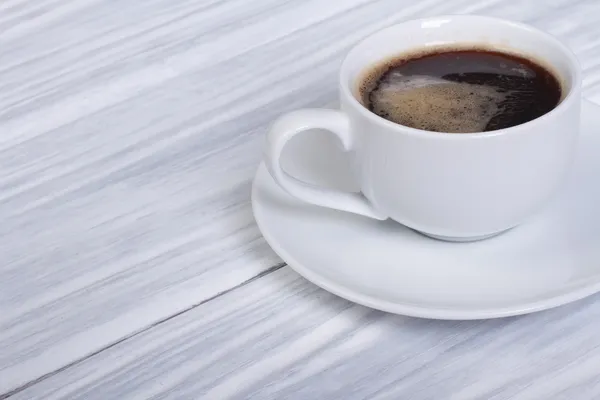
<point x="295" y="122"/>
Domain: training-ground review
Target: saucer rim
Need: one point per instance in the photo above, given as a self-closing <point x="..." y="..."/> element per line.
<point x="581" y="291"/>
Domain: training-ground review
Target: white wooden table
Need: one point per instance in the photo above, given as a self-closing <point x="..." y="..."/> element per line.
<point x="130" y="263"/>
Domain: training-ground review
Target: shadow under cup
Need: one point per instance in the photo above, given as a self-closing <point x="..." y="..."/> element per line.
<point x="462" y="187"/>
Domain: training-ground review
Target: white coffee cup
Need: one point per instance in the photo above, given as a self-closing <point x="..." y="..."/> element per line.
<point x="456" y="187"/>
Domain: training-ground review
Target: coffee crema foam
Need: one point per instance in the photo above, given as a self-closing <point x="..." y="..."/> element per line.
<point x="435" y="104"/>
<point x="459" y="91"/>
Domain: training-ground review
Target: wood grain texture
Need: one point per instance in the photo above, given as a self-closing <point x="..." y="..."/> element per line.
<point x="129" y="134"/>
<point x="281" y="337"/>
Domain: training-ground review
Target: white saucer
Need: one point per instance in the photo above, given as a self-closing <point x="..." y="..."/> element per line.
<point x="549" y="261"/>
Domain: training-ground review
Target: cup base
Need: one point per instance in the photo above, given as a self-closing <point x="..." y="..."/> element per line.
<point x="461" y="239"/>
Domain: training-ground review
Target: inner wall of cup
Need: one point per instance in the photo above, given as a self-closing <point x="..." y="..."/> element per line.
<point x="460" y="32"/>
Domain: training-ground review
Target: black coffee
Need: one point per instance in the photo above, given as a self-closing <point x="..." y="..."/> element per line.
<point x="460" y="91"/>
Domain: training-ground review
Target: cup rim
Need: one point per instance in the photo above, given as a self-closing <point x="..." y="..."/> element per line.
<point x="565" y="104"/>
